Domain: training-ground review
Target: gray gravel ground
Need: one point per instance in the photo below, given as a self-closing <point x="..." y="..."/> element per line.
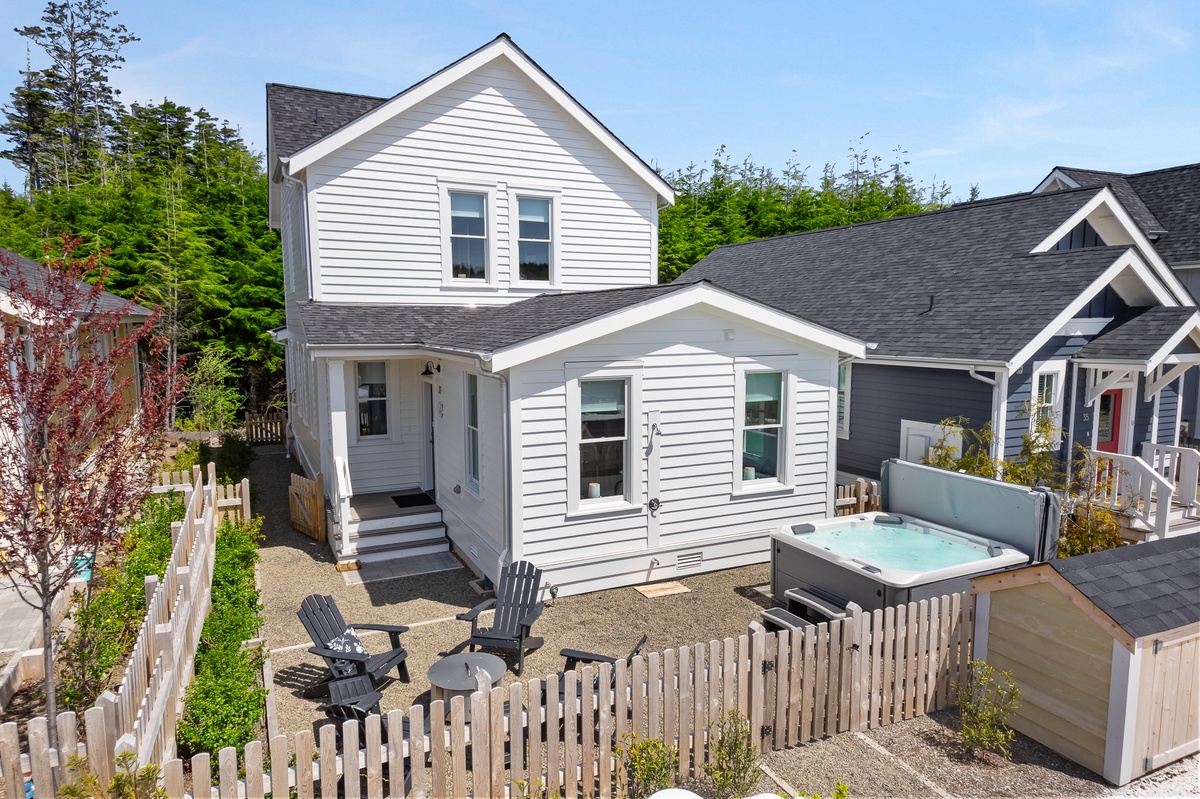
<point x="916" y="758"/>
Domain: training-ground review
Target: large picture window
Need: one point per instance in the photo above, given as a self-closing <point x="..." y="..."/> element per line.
<point x="472" y="424"/>
<point x="468" y="236"/>
<point x="762" y="429"/>
<point x="603" y="438"/>
<point x="372" y="398"/>
<point x="534" y="238"/>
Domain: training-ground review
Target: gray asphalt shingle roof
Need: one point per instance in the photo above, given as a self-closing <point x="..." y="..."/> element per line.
<point x="1147" y="588"/>
<point x="957" y="283"/>
<point x="478" y="329"/>
<point x="1136" y="334"/>
<point x="1164" y="201"/>
<point x="34" y="274"/>
<point x="298" y="116"/>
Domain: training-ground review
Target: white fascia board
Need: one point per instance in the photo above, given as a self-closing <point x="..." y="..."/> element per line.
<point x="937" y="363"/>
<point x="785" y="325"/>
<point x="1105" y="197"/>
<point x="1127" y="260"/>
<point x="1055" y="174"/>
<point x="1191" y="326"/>
<point x="431" y="86"/>
<point x="1088" y="326"/>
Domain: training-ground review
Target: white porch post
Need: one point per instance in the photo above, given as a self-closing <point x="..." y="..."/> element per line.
<point x="340" y="445"/>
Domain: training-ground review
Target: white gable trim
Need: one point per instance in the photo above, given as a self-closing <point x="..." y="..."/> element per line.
<point x="1127" y="260"/>
<point x="1190" y="327"/>
<point x="1105" y="197"/>
<point x="697" y="294"/>
<point x="501" y="47"/>
<point x="1060" y="176"/>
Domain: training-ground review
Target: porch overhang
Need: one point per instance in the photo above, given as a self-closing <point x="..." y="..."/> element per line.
<point x="1159" y="342"/>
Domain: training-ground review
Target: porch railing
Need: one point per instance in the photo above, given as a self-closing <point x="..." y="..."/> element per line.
<point x="343" y="490"/>
<point x="1128" y="484"/>
<point x="1179" y="465"/>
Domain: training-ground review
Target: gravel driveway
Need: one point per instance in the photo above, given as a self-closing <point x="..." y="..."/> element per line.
<point x="917" y="758"/>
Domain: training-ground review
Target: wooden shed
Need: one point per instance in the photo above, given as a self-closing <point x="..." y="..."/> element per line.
<point x="1106" y="651"/>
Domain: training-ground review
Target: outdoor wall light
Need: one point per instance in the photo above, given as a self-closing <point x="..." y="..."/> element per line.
<point x="430" y="369"/>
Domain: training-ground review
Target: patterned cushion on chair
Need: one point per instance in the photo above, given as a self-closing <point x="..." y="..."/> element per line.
<point x="347" y="642"/>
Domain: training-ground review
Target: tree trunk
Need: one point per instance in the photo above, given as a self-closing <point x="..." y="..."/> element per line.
<point x="48" y="664"/>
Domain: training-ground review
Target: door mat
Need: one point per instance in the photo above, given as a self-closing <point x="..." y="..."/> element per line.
<point x="412" y="500"/>
<point x="661" y="589"/>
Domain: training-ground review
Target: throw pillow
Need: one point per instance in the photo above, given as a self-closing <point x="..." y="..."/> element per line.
<point x="347" y="642"/>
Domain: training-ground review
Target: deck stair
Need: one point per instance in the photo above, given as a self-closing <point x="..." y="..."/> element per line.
<point x="378" y="528"/>
<point x="1182" y="520"/>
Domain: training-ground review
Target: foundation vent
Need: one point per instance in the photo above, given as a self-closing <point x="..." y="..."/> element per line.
<point x="689" y="560"/>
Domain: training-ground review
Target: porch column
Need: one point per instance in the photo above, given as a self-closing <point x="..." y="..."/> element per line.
<point x="340" y="446"/>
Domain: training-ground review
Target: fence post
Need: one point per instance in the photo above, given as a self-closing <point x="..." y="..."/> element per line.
<point x="245" y="500"/>
<point x="150" y="587"/>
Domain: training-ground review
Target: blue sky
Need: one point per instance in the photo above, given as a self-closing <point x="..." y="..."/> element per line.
<point x="985" y="93"/>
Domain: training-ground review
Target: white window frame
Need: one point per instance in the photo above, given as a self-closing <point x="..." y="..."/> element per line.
<point x="633" y="500"/>
<point x="842" y="399"/>
<point x="1057" y="369"/>
<point x="471" y="481"/>
<point x="785" y="468"/>
<point x="516" y="194"/>
<point x="392" y="382"/>
<point x="491" y="229"/>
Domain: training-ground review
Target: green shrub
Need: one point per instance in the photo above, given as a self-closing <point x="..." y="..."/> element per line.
<point x="840" y="791"/>
<point x="734" y="768"/>
<point x="186" y="456"/>
<point x="129" y="782"/>
<point x="986" y="704"/>
<point x="224" y="703"/>
<point x="107" y="622"/>
<point x="649" y="765"/>
<point x="232" y="459"/>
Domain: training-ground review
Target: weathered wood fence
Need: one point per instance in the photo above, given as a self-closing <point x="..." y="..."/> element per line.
<point x="141" y="715"/>
<point x="266" y="428"/>
<point x="861" y="496"/>
<point x="866" y="671"/>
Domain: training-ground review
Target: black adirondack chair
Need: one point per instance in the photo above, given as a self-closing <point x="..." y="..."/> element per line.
<point x="517" y="608"/>
<point x="328" y="630"/>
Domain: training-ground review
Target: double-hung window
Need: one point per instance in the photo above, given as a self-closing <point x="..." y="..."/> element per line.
<point x="472" y="437"/>
<point x="843" y="401"/>
<point x="534" y="239"/>
<point x="762" y="428"/>
<point x="468" y="235"/>
<point x="372" y="398"/>
<point x="603" y="438"/>
<point x="1046" y="400"/>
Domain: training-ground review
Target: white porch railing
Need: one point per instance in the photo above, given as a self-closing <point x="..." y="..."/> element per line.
<point x="1128" y="484"/>
<point x="342" y="490"/>
<point x="1179" y="465"/>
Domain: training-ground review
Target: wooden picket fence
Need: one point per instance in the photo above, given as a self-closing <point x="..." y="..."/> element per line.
<point x="861" y="496"/>
<point x="266" y="428"/>
<point x="141" y="714"/>
<point x="868" y="670"/>
<point x="306" y="504"/>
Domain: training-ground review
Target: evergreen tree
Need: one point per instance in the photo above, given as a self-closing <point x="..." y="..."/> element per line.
<point x="28" y="124"/>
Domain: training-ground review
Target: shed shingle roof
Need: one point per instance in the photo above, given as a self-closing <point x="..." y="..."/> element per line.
<point x="1162" y="201"/>
<point x="1136" y="334"/>
<point x="34" y="274"/>
<point x="957" y="283"/>
<point x="1147" y="588"/>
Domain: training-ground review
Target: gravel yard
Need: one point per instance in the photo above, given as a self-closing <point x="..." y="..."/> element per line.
<point x="916" y="758"/>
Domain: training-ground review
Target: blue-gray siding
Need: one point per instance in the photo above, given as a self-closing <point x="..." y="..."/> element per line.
<point x="880" y="396"/>
<point x="1020" y="388"/>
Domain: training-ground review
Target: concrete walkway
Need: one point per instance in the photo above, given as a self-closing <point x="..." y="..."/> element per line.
<point x="18" y="622"/>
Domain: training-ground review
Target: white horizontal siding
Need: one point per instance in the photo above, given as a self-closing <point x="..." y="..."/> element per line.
<point x="691" y="386"/>
<point x="376" y="200"/>
<point x="393" y="462"/>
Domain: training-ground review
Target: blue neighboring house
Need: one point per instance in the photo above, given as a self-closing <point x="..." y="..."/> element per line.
<point x="1056" y="302"/>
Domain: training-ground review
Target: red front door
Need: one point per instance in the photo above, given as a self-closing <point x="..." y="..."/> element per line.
<point x="1109" y="421"/>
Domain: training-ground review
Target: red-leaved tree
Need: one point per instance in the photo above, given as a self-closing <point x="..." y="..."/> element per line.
<point x="81" y="431"/>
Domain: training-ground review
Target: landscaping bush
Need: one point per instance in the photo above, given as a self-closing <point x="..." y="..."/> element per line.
<point x="734" y="768"/>
<point x="186" y="456"/>
<point x="232" y="459"/>
<point x="107" y="623"/>
<point x="986" y="704"/>
<point x="649" y="765"/>
<point x="129" y="782"/>
<point x="224" y="704"/>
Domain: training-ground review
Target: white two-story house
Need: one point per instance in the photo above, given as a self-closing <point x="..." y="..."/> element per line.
<point x="479" y="354"/>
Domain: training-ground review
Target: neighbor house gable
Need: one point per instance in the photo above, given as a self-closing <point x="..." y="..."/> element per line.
<point x="501" y="48"/>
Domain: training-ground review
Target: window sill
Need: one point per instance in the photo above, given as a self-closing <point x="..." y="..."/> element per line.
<point x="844" y="435"/>
<point x="773" y="488"/>
<point x="615" y="508"/>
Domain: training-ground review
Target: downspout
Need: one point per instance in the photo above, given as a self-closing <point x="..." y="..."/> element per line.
<point x="508" y="475"/>
<point x="999" y="392"/>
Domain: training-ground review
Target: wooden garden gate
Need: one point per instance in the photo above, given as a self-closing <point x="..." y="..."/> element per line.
<point x="306" y="500"/>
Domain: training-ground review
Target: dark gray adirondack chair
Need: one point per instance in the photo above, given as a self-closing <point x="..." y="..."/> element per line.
<point x="517" y="608"/>
<point x="325" y="625"/>
<point x="573" y="657"/>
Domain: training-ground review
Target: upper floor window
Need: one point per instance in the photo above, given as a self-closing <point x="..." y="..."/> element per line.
<point x="372" y="398"/>
<point x="534" y="244"/>
<point x="468" y="236"/>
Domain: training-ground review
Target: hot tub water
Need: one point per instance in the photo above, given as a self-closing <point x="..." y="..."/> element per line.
<point x="911" y="546"/>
